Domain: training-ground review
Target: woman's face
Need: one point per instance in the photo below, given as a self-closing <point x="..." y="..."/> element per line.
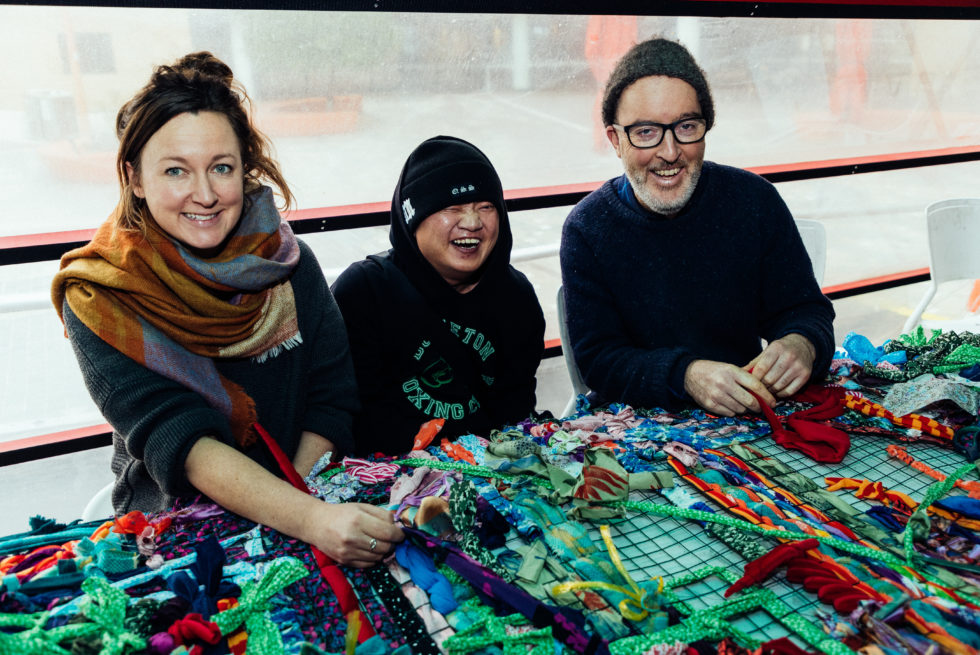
<point x="192" y="180"/>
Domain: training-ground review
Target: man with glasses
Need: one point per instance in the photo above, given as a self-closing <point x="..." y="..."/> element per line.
<point x="675" y="272"/>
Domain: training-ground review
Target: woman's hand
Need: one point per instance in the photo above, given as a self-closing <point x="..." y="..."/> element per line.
<point x="353" y="534"/>
<point x="344" y="531"/>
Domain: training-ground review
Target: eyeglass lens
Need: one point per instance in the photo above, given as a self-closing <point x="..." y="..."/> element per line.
<point x="647" y="135"/>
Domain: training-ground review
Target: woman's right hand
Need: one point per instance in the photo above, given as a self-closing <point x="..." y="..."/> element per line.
<point x="347" y="531"/>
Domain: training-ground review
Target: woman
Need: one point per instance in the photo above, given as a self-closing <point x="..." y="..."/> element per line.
<point x="195" y="314"/>
<point x="442" y="326"/>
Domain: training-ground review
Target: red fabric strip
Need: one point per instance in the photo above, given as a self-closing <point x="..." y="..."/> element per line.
<point x="821" y="443"/>
<point x="328" y="568"/>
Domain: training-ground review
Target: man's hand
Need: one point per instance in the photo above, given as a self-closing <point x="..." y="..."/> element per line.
<point x="785" y="365"/>
<point x="723" y="389"/>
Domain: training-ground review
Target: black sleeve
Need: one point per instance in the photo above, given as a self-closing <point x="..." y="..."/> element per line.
<point x="515" y="396"/>
<point x="609" y="362"/>
<point x="331" y="394"/>
<point x="793" y="301"/>
<point x="386" y="422"/>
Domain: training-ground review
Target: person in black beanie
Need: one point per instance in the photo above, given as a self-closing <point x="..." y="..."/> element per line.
<point x="675" y="272"/>
<point x="441" y="326"/>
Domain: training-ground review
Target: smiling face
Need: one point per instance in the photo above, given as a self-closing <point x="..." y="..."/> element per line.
<point x="192" y="180"/>
<point x="663" y="177"/>
<point x="457" y="240"/>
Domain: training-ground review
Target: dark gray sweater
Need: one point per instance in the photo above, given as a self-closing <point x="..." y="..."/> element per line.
<point x="156" y="420"/>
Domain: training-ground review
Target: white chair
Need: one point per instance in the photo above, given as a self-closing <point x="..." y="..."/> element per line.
<point x="953" y="228"/>
<point x="578" y="384"/>
<point x="100" y="505"/>
<point x="815" y="241"/>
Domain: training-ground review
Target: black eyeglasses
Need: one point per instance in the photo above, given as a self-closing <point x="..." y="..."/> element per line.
<point x="647" y="134"/>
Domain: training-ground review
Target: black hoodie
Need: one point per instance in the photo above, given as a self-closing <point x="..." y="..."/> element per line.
<point x="421" y="349"/>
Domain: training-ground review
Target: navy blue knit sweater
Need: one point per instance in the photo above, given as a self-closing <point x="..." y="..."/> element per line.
<point x="646" y="295"/>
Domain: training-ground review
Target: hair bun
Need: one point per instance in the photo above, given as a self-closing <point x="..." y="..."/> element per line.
<point x="205" y="64"/>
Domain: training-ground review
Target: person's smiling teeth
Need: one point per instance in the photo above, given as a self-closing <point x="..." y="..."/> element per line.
<point x="199" y="217"/>
<point x="466" y="243"/>
<point x="670" y="172"/>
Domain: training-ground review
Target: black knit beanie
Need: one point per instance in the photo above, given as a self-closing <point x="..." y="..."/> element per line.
<point x="656" y="57"/>
<point x="445" y="171"/>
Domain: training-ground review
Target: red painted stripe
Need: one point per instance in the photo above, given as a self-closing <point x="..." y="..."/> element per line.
<point x="54" y="437"/>
<point x="340" y="210"/>
<point x="859" y="161"/>
<point x="45" y="238"/>
<point x="870" y="281"/>
<point x="348" y="210"/>
<point x="533" y="192"/>
<point x="879" y="3"/>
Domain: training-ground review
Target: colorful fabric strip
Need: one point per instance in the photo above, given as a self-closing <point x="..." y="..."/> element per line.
<point x="566" y="624"/>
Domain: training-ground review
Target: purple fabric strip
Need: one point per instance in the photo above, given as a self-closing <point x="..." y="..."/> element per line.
<point x="33" y="558"/>
<point x="567" y="625"/>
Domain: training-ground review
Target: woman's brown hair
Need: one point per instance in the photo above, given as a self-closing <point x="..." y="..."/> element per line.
<point x="195" y="82"/>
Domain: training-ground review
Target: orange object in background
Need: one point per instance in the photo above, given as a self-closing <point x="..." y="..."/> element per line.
<point x="973" y="303"/>
<point x="607" y="38"/>
<point x="849" y="86"/>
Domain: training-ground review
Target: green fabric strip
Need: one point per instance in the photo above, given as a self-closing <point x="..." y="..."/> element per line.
<point x="253" y="607"/>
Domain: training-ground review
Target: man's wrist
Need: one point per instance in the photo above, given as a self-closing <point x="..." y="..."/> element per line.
<point x="810" y="348"/>
<point x="678" y="383"/>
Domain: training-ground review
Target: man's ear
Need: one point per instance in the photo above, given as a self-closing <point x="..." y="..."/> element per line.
<point x="134" y="181"/>
<point x="613" y="137"/>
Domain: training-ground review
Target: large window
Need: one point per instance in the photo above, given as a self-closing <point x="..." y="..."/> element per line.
<point x="346" y="96"/>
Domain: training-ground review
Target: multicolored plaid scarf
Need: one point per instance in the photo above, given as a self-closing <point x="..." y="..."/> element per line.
<point x="151" y="299"/>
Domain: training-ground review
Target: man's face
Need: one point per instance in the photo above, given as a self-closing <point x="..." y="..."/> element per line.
<point x="663" y="177"/>
<point x="458" y="240"/>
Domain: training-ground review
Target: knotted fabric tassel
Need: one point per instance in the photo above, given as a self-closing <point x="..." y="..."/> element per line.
<point x="106" y="607"/>
<point x="253" y="607"/>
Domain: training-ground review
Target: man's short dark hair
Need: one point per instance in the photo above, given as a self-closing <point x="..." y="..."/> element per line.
<point x="656" y="57"/>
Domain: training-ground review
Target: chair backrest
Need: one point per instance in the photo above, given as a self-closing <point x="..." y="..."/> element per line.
<point x="578" y="384"/>
<point x="954" y="238"/>
<point x="953" y="228"/>
<point x="815" y="241"/>
<point x="100" y="505"/>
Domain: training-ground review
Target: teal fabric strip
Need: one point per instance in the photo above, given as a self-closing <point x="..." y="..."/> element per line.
<point x="17" y="543"/>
